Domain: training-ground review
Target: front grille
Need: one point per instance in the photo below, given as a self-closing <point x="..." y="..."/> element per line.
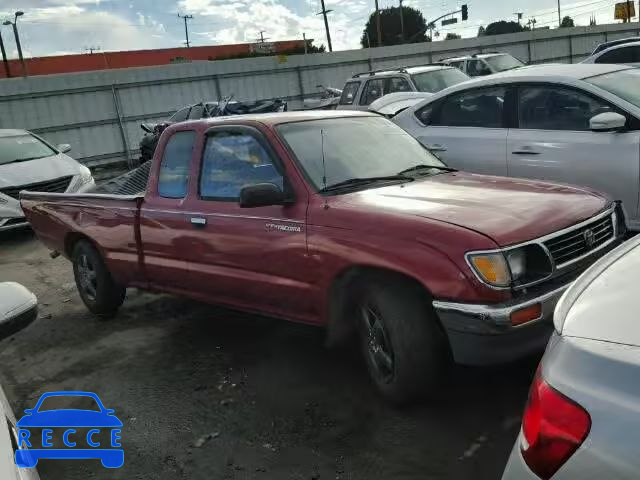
<point x="59" y="185"/>
<point x="580" y="241"/>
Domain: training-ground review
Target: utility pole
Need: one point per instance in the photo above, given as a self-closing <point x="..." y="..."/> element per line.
<point x="401" y="21"/>
<point x="629" y="11"/>
<point x="519" y="15"/>
<point x="91" y="49"/>
<point x="17" y="37"/>
<point x="326" y="23"/>
<point x="186" y="28"/>
<point x="262" y="39"/>
<point x="378" y="24"/>
<point x="559" y="16"/>
<point x="4" y="58"/>
<point x="304" y="39"/>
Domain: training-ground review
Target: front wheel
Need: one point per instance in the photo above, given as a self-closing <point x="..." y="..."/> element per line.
<point x="99" y="292"/>
<point x="405" y="348"/>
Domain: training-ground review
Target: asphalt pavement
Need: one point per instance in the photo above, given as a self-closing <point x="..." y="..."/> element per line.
<point x="206" y="393"/>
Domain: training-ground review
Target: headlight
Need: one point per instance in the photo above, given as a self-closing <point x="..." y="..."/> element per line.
<point x="492" y="268"/>
<point x="512" y="267"/>
<point x="83" y="179"/>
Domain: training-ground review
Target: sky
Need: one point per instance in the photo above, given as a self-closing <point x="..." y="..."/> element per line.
<point x="54" y="27"/>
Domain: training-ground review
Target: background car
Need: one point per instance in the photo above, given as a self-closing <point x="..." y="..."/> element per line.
<point x="27" y="162"/>
<point x="582" y="419"/>
<point x="18" y="308"/>
<point x="627" y="53"/>
<point x="482" y="64"/>
<point x="327" y="100"/>
<point x="576" y="124"/>
<point x="364" y="88"/>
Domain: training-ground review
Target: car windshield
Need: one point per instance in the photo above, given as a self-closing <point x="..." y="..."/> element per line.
<point x="437" y="80"/>
<point x="67" y="402"/>
<point x="356" y="147"/>
<point x="623" y="83"/>
<point x="18" y="148"/>
<point x="500" y="63"/>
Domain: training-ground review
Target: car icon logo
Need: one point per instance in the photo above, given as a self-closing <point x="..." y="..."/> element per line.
<point x="69" y="433"/>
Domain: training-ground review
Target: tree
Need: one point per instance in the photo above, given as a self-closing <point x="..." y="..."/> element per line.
<point x="452" y="36"/>
<point x="567" y="22"/>
<point x="501" y="27"/>
<point x="481" y="31"/>
<point x="415" y="27"/>
<point x="592" y="21"/>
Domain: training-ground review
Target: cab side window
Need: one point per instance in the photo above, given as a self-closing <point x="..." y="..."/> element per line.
<point x="233" y="160"/>
<point x="477" y="68"/>
<point x="556" y="108"/>
<point x="174" y="167"/>
<point x="373" y="90"/>
<point x="396" y="84"/>
<point x="349" y="93"/>
<point x="476" y="108"/>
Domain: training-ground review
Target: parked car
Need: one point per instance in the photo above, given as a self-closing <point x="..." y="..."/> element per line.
<point x="18" y="308"/>
<point x="482" y="64"/>
<point x="328" y="99"/>
<point x="582" y="419"/>
<point x="343" y="220"/>
<point x="364" y="88"/>
<point x="224" y="107"/>
<point x="577" y="124"/>
<point x="613" y="43"/>
<point x="27" y="162"/>
<point x="627" y="53"/>
<point x="393" y="103"/>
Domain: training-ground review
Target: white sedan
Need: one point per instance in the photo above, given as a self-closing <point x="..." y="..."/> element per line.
<point x="576" y="124"/>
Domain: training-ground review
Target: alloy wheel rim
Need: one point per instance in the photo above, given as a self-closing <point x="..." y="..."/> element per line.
<point x="378" y="345"/>
<point x="87" y="277"/>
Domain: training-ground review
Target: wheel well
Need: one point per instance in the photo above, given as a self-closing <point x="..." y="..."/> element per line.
<point x="345" y="290"/>
<point x="71" y="240"/>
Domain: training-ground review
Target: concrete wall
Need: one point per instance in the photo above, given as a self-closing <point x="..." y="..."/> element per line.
<point x="99" y="113"/>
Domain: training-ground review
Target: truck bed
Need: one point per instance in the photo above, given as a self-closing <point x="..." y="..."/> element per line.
<point x="60" y="219"/>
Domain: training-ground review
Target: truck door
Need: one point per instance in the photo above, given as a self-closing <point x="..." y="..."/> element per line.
<point x="162" y="220"/>
<point x="254" y="258"/>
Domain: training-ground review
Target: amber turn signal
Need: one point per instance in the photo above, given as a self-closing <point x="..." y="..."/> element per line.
<point x="527" y="314"/>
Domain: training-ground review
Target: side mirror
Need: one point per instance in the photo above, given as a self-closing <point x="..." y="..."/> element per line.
<point x="261" y="195"/>
<point x="64" y="148"/>
<point x="607" y="122"/>
<point x="18" y="308"/>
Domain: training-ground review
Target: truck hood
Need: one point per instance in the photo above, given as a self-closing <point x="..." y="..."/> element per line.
<point x="509" y="211"/>
<point x="39" y="170"/>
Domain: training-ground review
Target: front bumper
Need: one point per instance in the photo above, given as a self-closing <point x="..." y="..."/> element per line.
<point x="484" y="335"/>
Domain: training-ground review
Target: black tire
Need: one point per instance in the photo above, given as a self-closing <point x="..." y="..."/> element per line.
<point x="96" y="287"/>
<point x="405" y="348"/>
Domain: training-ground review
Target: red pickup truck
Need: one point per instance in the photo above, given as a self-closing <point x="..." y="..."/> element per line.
<point x="339" y="219"/>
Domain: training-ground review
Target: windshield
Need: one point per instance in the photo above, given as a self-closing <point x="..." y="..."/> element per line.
<point x="435" y="81"/>
<point x="623" y="83"/>
<point x="23" y="147"/>
<point x="358" y="147"/>
<point x="500" y="63"/>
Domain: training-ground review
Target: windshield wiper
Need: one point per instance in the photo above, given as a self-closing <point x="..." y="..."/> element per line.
<point x="355" y="182"/>
<point x="420" y="167"/>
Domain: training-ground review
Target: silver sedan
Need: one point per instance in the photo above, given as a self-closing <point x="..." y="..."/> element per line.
<point x="582" y="419"/>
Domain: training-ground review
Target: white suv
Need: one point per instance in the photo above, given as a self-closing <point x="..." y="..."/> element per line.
<point x="363" y="89"/>
<point x="483" y="64"/>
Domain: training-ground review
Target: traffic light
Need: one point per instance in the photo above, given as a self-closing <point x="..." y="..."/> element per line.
<point x="465" y="12"/>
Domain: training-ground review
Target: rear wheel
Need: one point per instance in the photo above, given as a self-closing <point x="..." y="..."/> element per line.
<point x="99" y="292"/>
<point x="405" y="349"/>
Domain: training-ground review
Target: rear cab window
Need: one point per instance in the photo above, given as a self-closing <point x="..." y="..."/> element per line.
<point x="349" y="93"/>
<point x="173" y="176"/>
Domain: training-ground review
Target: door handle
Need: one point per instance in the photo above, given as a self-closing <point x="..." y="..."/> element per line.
<point x="525" y="151"/>
<point x="436" y="148"/>
<point x="198" y="221"/>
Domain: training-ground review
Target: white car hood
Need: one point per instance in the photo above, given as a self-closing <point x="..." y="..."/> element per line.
<point x="393" y="103"/>
<point x="39" y="170"/>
